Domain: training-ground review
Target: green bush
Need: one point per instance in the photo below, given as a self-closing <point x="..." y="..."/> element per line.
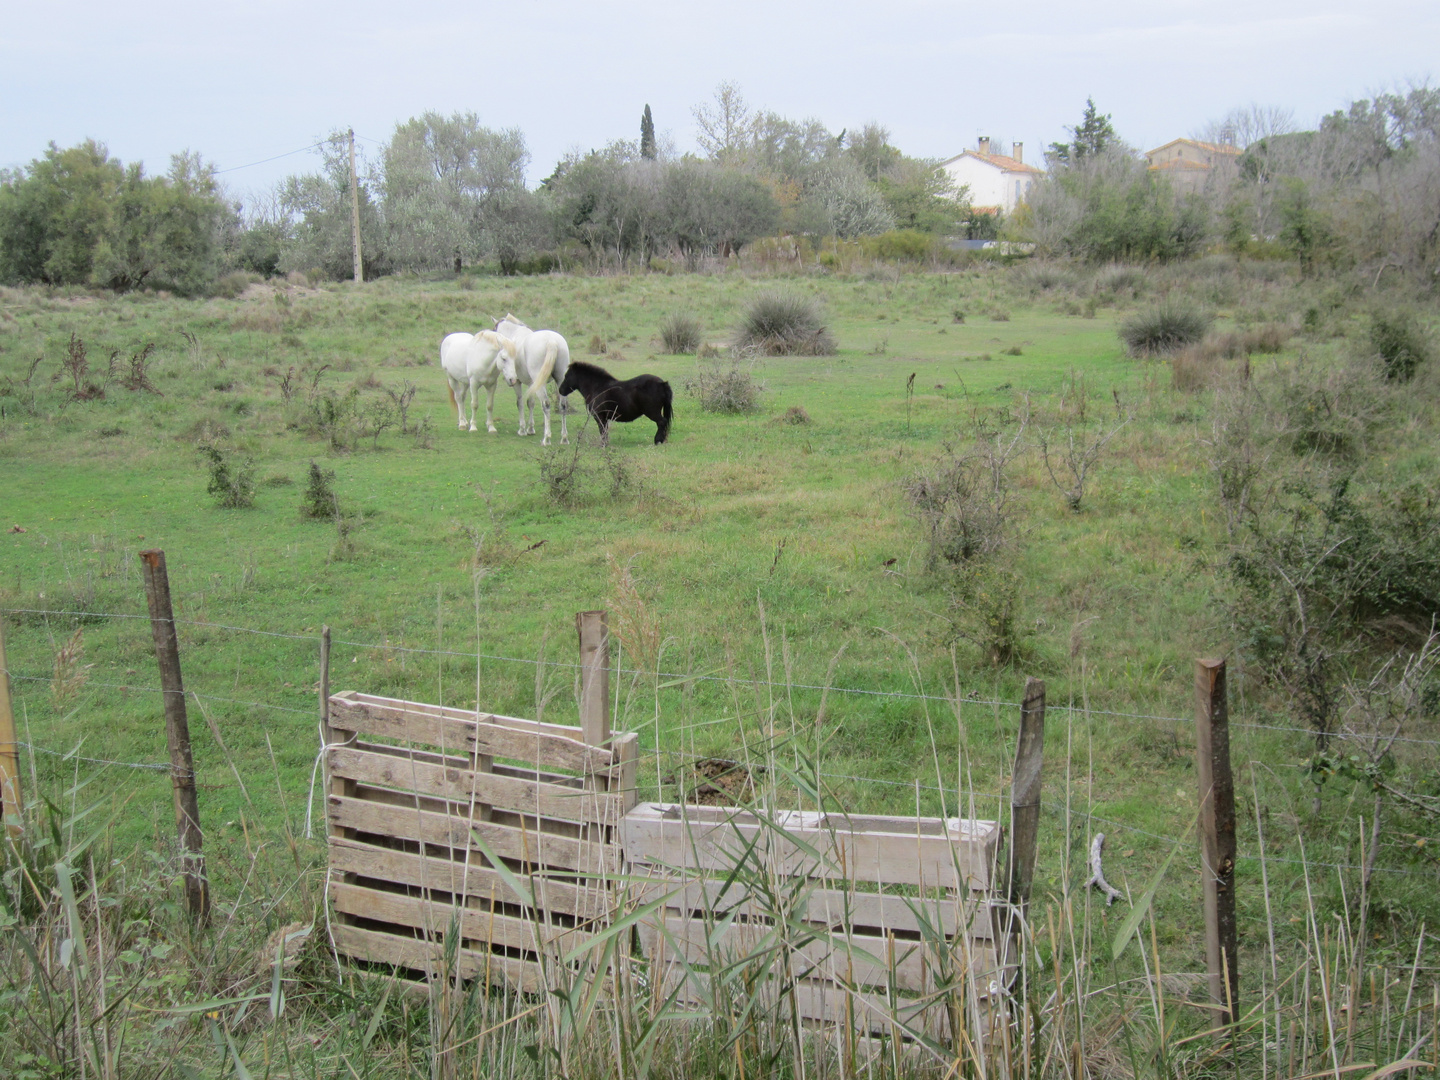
<point x="232" y="482"/>
<point x="779" y="323"/>
<point x="900" y="245"/>
<point x="1401" y="343"/>
<point x="680" y="332"/>
<point x="1164" y="328"/>
<point x="319" y="501"/>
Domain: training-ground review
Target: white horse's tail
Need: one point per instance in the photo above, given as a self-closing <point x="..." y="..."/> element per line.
<point x="552" y="353"/>
<point x="451" y="391"/>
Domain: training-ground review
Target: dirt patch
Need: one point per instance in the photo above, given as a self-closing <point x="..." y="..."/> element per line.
<point x="715" y="782"/>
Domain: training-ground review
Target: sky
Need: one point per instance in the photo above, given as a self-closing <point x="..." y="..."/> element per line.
<point x="246" y="81"/>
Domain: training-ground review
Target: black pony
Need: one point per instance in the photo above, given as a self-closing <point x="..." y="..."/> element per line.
<point x="610" y="399"/>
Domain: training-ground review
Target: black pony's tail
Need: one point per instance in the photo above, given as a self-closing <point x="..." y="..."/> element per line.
<point x="662" y="429"/>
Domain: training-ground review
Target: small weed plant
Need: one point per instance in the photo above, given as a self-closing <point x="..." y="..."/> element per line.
<point x="232" y="477"/>
<point x="725" y="385"/>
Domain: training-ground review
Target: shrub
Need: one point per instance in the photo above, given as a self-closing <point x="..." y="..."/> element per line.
<point x="232" y="482"/>
<point x="680" y="332"/>
<point x="779" y="323"/>
<point x="319" y="501"/>
<point x="585" y="472"/>
<point x="1118" y="278"/>
<point x="1400" y="342"/>
<point x="796" y="414"/>
<point x="232" y="284"/>
<point x="725" y="386"/>
<point x="900" y="245"/>
<point x="1164" y="328"/>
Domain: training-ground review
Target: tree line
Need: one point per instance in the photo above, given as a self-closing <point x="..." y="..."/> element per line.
<point x="446" y="192"/>
<point x="1356" y="193"/>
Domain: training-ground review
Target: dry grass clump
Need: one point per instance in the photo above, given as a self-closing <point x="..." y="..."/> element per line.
<point x="780" y="323"/>
<point x="1165" y="328"/>
<point x="725" y="386"/>
<point x="1208" y="364"/>
<point x="680" y="332"/>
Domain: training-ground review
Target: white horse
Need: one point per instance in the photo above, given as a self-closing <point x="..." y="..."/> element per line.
<point x="541" y="355"/>
<point x="475" y="360"/>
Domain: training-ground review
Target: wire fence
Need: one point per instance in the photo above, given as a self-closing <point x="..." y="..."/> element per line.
<point x="675" y="677"/>
<point x="675" y="756"/>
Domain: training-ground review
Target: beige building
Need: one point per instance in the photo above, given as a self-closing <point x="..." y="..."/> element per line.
<point x="1190" y="165"/>
<point x="996" y="182"/>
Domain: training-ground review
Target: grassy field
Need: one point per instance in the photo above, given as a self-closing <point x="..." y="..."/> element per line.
<point x="747" y="550"/>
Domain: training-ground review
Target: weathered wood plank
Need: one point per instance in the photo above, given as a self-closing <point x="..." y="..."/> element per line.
<point x="828" y="907"/>
<point x="857" y="959"/>
<point x="582" y="900"/>
<point x="460" y="732"/>
<point x="540" y="849"/>
<point x="823" y="1001"/>
<point x="478" y="927"/>
<point x="405" y="773"/>
<point x="426" y="956"/>
<point x="927" y="852"/>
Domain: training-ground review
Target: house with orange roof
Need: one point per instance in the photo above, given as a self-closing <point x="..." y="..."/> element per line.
<point x="997" y="182"/>
<point x="1190" y="164"/>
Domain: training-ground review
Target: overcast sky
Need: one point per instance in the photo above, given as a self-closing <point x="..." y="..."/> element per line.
<point x="245" y="81"/>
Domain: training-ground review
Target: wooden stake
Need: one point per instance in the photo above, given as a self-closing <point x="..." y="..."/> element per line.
<point x="177" y="734"/>
<point x="594" y="631"/>
<point x="11" y="798"/>
<point x="326" y="738"/>
<point x="1025" y="793"/>
<point x="1217" y="834"/>
<point x="355" y="212"/>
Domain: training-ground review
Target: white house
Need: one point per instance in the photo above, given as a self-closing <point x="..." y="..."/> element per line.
<point x="996" y="182"/>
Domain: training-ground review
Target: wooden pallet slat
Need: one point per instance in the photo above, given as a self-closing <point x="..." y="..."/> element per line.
<point x="535" y="849"/>
<point x="407" y="773"/>
<point x="925" y="852"/>
<point x="581" y="900"/>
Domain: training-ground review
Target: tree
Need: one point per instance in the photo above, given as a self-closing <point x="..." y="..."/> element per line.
<point x="1094" y="135"/>
<point x="841" y="202"/>
<point x="448" y="182"/>
<point x="78" y="216"/>
<point x="872" y="153"/>
<point x="318" y="204"/>
<point x="724" y="123"/>
<point x="647" y="135"/>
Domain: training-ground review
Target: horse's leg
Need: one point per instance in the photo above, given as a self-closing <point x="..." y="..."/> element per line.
<point x="490" y="407"/>
<point x="564" y="411"/>
<point x="472" y="404"/>
<point x="545" y="407"/>
<point x="520" y="389"/>
<point x="459" y="400"/>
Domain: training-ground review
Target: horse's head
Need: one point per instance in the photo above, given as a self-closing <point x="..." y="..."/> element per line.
<point x="568" y="385"/>
<point x="505" y="358"/>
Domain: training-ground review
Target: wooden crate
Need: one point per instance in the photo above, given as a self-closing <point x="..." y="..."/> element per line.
<point x="412" y="787"/>
<point x="877" y="914"/>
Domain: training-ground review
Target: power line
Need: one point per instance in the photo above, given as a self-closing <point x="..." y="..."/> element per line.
<point x="277" y="157"/>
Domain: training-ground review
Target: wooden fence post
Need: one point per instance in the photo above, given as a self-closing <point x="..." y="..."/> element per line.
<point x="594" y="631"/>
<point x="11" y="799"/>
<point x="1025" y="794"/>
<point x="325" y="737"/>
<point x="177" y="734"/>
<point x="1217" y="834"/>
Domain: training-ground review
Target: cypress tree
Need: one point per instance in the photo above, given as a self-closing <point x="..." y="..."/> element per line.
<point x="647" y="135"/>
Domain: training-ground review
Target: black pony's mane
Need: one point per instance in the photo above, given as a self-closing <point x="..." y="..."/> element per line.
<point x="591" y="369"/>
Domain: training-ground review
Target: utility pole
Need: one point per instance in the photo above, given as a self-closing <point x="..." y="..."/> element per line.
<point x="355" y="212"/>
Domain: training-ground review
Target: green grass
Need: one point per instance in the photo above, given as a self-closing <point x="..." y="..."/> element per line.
<point x="735" y="515"/>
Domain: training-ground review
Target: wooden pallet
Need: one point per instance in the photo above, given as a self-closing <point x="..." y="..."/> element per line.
<point x="418" y="794"/>
<point x="842" y="943"/>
